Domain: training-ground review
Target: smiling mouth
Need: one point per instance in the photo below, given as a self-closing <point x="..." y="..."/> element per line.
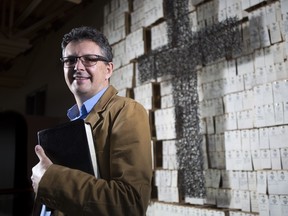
<point x="80" y="77"/>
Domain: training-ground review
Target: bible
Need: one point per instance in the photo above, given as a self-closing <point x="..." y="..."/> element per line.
<point x="70" y="144"/>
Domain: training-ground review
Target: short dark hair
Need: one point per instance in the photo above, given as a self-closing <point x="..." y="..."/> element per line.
<point x="89" y="33"/>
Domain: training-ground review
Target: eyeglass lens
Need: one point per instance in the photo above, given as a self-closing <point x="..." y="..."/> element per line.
<point x="87" y="60"/>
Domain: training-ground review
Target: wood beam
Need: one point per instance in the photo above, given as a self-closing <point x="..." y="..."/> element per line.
<point x="11" y="15"/>
<point x="75" y="1"/>
<point x="39" y="24"/>
<point x="3" y="15"/>
<point x="27" y="12"/>
<point x="16" y="42"/>
<point x="11" y="47"/>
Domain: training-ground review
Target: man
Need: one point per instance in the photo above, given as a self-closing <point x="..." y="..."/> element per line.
<point x="121" y="136"/>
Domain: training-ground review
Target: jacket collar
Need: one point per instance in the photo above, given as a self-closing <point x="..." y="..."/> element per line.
<point x="100" y="106"/>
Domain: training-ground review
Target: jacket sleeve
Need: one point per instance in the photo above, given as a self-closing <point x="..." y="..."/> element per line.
<point x="125" y="188"/>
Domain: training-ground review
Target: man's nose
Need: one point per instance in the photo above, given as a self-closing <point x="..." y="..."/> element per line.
<point x="79" y="64"/>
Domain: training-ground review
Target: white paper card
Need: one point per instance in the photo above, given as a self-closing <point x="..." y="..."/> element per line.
<point x="235" y="180"/>
<point x="247" y="160"/>
<point x="263" y="203"/>
<point x="269" y="115"/>
<point x="275" y="159"/>
<point x="274" y="205"/>
<point x="259" y="116"/>
<point x="236" y="199"/>
<point x="245" y="140"/>
<point x="254" y="201"/>
<point x="273" y="184"/>
<point x="283" y="181"/>
<point x="254" y="139"/>
<point x="264" y="138"/>
<point x="261" y="182"/>
<point x="265" y="158"/>
<point x="245" y="119"/>
<point x="243" y="181"/>
<point x="284" y="205"/>
<point x="284" y="157"/>
<point x="275" y="33"/>
<point x="225" y="177"/>
<point x="245" y="201"/>
<point x="256" y="159"/>
<point x="252" y="180"/>
<point x="285" y="111"/>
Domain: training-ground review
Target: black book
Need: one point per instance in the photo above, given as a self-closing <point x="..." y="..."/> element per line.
<point x="70" y="144"/>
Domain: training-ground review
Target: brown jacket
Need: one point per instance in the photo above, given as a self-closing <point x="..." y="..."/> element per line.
<point x="123" y="148"/>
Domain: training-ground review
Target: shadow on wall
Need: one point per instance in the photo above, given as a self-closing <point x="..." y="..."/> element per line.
<point x="16" y="194"/>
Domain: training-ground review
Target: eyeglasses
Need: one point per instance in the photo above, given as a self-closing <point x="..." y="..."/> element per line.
<point x="87" y="60"/>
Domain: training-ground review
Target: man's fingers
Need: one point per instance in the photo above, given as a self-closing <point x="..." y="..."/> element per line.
<point x="40" y="152"/>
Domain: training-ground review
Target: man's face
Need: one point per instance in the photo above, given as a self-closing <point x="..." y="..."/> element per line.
<point x="85" y="82"/>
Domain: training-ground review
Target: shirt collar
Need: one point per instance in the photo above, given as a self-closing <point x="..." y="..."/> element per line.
<point x="74" y="113"/>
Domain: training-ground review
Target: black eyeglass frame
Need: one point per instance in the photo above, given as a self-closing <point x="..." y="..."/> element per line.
<point x="97" y="58"/>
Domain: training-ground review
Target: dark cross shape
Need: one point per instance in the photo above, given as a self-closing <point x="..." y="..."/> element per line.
<point x="184" y="52"/>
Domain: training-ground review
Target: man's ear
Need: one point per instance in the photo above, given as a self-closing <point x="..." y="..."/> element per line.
<point x="109" y="68"/>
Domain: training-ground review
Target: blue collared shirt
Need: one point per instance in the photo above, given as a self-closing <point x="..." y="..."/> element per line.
<point x="74" y="113"/>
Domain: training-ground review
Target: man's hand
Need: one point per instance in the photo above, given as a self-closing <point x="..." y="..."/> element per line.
<point x="39" y="170"/>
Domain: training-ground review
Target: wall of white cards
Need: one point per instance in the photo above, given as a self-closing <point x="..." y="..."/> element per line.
<point x="243" y="104"/>
<point x="244" y="113"/>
